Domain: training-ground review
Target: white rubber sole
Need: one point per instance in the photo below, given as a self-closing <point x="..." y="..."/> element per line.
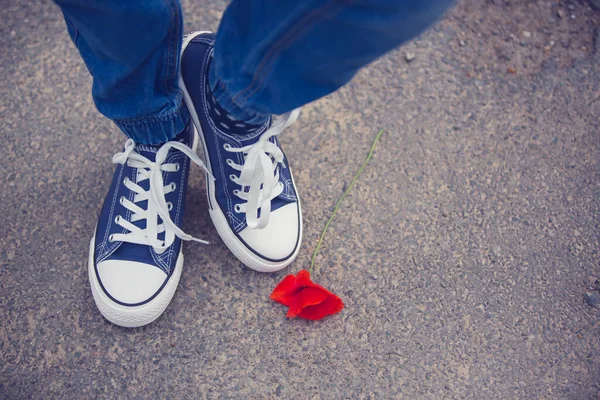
<point x="239" y="249"/>
<point x="134" y="317"/>
<point x="235" y="245"/>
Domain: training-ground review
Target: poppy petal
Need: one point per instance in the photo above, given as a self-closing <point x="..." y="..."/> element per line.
<point x="305" y="281"/>
<point x="286" y="290"/>
<point x="304" y="278"/>
<point x="305" y="298"/>
<point x="331" y="305"/>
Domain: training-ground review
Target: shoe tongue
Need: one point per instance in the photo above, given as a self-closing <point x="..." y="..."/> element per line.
<point x="149" y="150"/>
<point x="252" y="137"/>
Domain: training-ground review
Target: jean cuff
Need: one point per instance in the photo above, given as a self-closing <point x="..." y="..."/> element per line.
<point x="238" y="111"/>
<point x="155" y="130"/>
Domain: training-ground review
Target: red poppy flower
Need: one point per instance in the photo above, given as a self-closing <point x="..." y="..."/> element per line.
<point x="305" y="298"/>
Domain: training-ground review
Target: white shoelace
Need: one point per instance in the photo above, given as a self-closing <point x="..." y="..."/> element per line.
<point x="259" y="173"/>
<point x="157" y="203"/>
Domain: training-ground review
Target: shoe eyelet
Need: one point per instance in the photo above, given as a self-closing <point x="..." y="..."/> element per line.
<point x="122" y="200"/>
<point x="111" y="238"/>
<point x="226" y="146"/>
<point x="236" y="192"/>
<point x="177" y="167"/>
<point x="169" y="206"/>
<point x="173" y="186"/>
<point x="125" y="180"/>
<point x="117" y="219"/>
<point x="232" y="177"/>
<point x="229" y="161"/>
<point x="237" y="208"/>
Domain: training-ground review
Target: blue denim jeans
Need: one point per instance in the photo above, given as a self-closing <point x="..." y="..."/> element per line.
<point x="271" y="56"/>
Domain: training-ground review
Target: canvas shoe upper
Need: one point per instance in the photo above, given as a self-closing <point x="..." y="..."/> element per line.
<point x="135" y="255"/>
<point x="253" y="200"/>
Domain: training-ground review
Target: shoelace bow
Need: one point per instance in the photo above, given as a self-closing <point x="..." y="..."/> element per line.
<point x="157" y="203"/>
<point x="260" y="173"/>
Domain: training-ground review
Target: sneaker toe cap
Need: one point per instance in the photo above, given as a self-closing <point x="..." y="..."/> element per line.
<point x="130" y="282"/>
<point x="279" y="239"/>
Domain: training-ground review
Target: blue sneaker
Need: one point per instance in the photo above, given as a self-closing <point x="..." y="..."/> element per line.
<point x="135" y="256"/>
<point x="252" y="199"/>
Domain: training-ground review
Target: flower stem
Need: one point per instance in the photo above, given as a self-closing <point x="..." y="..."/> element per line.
<point x="337" y="205"/>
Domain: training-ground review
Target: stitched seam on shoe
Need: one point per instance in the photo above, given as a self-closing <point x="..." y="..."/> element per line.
<point x="106" y="248"/>
<point x="204" y="101"/>
<point x="112" y="204"/>
<point x="111" y="248"/>
<point x="165" y="265"/>
<point x="105" y="238"/>
<point x="234" y="221"/>
<point x="180" y="197"/>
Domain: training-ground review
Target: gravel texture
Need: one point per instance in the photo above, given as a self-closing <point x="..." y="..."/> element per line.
<point x="463" y="254"/>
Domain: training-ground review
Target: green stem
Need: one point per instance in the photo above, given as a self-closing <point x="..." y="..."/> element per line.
<point x="337" y="205"/>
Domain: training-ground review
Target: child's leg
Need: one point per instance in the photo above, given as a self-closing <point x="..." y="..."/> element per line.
<point x="132" y="48"/>
<point x="272" y="56"/>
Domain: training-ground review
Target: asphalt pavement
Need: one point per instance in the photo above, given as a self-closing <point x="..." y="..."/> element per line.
<point x="462" y="254"/>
